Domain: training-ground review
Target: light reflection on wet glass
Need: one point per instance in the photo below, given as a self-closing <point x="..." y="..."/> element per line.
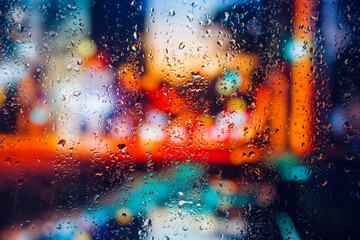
<point x="160" y="119"/>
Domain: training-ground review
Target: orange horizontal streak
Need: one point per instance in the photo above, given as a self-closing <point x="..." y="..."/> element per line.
<point x="40" y="155"/>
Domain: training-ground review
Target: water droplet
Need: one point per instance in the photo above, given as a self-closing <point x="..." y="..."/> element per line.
<point x="69" y="7"/>
<point x="313" y="69"/>
<point x="182" y="203"/>
<point x="76" y="93"/>
<point x="182" y="45"/>
<point x="61" y="143"/>
<point x="147" y="223"/>
<point x="312" y="50"/>
<point x="72" y="43"/>
<point x="121" y="146"/>
<point x="135" y="48"/>
<point x="52" y="34"/>
<point x="220" y="43"/>
<point x="171" y="13"/>
<point x="2" y="138"/>
<point x="135" y="35"/>
<point x="349" y="156"/>
<point x="190" y="17"/>
<point x="20" y="28"/>
<point x="226" y="16"/>
<point x="79" y="62"/>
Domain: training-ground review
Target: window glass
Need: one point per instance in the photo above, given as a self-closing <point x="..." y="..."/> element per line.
<point x="179" y="119"/>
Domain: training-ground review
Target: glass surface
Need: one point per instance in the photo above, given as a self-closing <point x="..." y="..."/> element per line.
<point x="179" y="119"/>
